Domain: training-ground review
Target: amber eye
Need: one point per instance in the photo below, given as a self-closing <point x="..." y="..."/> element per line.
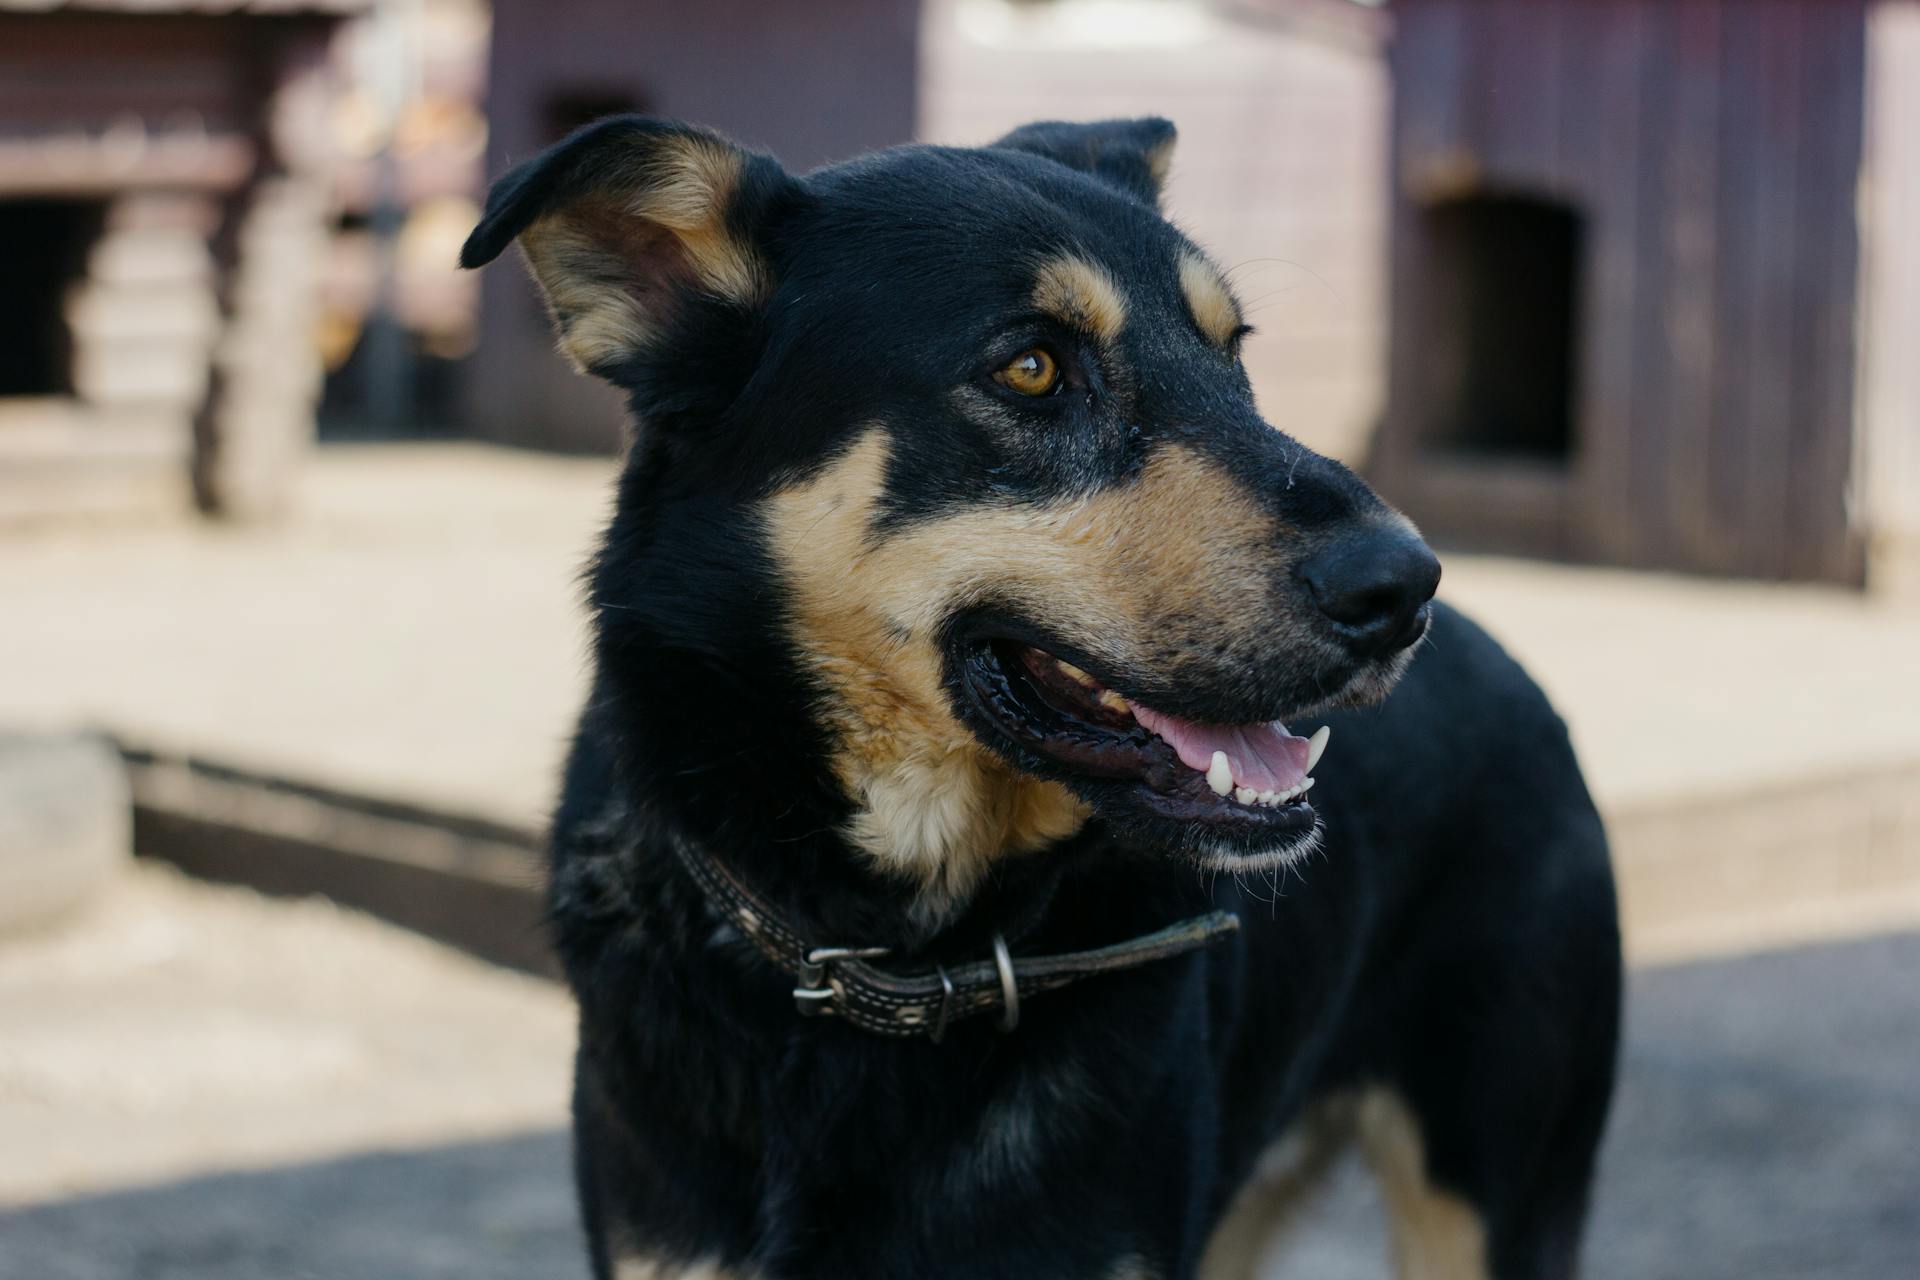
<point x="1034" y="372"/>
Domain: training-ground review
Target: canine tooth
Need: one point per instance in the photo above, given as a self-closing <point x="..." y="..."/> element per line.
<point x="1304" y="787"/>
<point x="1317" y="744"/>
<point x="1114" y="702"/>
<point x="1078" y="676"/>
<point x="1220" y="774"/>
<point x="1245" y="795"/>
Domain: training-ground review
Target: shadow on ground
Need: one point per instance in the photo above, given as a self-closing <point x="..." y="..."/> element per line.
<point x="499" y="1210"/>
<point x="1768" y="1127"/>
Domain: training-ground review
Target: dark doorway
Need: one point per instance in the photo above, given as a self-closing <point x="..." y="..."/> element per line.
<point x="1499" y="336"/>
<point x="43" y="251"/>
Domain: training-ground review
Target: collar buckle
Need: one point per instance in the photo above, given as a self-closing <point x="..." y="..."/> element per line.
<point x="923" y="1004"/>
<point x="815" y="994"/>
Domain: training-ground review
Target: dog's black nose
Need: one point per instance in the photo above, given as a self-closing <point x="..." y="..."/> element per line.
<point x="1374" y="583"/>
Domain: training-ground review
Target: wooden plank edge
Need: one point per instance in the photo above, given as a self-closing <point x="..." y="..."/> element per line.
<point x="472" y="883"/>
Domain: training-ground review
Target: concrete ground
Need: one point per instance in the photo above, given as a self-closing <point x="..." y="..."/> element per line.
<point x="197" y="1083"/>
<point x="413" y="633"/>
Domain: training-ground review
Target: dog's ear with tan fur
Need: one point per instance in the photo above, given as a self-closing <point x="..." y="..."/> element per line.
<point x="1131" y="155"/>
<point x="633" y="225"/>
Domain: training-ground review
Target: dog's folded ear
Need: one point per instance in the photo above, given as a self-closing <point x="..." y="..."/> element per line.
<point x="1132" y="155"/>
<point x="628" y="225"/>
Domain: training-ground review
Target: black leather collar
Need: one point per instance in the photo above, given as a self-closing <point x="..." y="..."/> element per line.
<point x="843" y="981"/>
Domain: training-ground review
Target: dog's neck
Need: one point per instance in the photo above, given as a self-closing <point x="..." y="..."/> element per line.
<point x="831" y="893"/>
<point x="793" y="839"/>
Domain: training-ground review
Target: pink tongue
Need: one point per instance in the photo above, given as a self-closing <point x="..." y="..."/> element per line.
<point x="1264" y="757"/>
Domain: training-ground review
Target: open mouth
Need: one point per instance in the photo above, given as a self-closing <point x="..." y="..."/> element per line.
<point x="1247" y="783"/>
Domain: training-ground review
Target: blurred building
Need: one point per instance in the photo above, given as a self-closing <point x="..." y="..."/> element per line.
<point x="1656" y="289"/>
<point x="164" y="199"/>
<point x="809" y="82"/>
<point x="1275" y="99"/>
<point x="1610" y="281"/>
<point x="397" y="313"/>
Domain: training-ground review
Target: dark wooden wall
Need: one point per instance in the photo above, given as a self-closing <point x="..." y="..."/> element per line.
<point x="1712" y="148"/>
<point x="188" y="155"/>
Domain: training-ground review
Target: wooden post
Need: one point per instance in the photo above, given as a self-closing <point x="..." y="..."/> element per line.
<point x="259" y="420"/>
<point x="1886" y="481"/>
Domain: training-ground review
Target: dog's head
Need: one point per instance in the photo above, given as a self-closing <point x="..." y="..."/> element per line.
<point x="963" y="436"/>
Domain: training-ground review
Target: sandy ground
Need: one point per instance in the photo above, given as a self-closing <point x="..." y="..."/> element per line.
<point x="200" y="1084"/>
<point x="173" y="1027"/>
<point x="413" y="631"/>
<point x="195" y="1082"/>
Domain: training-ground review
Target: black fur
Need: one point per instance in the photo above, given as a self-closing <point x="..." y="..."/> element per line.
<point x="1455" y="941"/>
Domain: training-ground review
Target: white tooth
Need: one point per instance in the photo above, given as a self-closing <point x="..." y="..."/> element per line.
<point x="1317" y="744"/>
<point x="1268" y="797"/>
<point x="1304" y="787"/>
<point x="1076" y="674"/>
<point x="1220" y="774"/>
<point x="1244" y="795"/>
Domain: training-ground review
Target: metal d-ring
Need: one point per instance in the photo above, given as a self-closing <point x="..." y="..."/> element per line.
<point x="1009" y="989"/>
<point x="946" y="1003"/>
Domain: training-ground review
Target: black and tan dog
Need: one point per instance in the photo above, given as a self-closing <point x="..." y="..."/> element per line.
<point x="955" y="600"/>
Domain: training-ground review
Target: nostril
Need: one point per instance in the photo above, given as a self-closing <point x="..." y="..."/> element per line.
<point x="1364" y="607"/>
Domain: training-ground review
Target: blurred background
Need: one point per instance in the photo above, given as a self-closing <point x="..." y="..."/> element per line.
<point x="1619" y="300"/>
